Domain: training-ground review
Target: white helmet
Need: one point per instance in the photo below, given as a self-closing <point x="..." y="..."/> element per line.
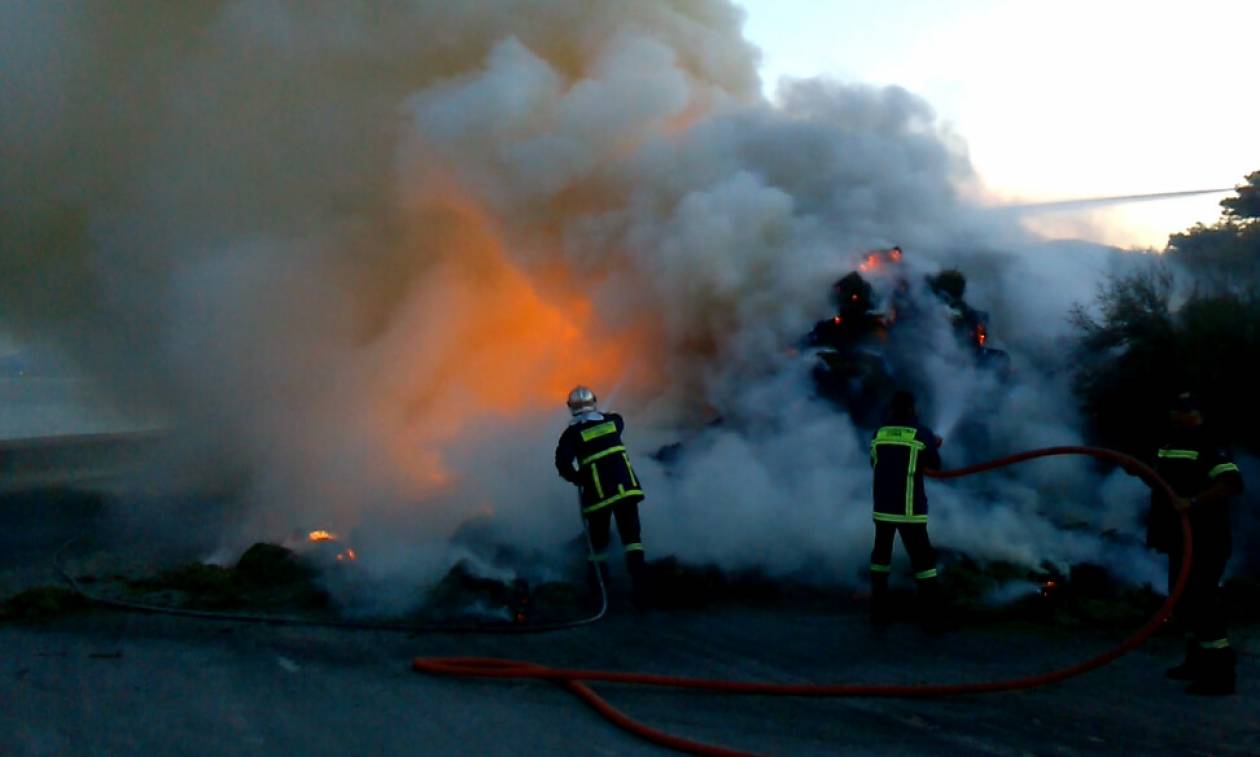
<point x="581" y="400"/>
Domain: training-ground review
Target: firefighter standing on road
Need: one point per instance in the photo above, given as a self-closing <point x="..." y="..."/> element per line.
<point x="608" y="485"/>
<point x="1204" y="478"/>
<point x="900" y="451"/>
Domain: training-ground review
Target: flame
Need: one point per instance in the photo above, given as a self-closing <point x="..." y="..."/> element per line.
<point x="981" y="334"/>
<point x="490" y="336"/>
<point x="348" y="554"/>
<point x="876" y="260"/>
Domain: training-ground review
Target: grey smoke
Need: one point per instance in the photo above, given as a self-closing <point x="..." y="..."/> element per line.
<point x="269" y="222"/>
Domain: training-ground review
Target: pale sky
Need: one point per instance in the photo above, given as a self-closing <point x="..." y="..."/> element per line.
<point x="1055" y="100"/>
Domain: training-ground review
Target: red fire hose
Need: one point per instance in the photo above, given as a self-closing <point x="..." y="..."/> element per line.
<point x="488" y="667"/>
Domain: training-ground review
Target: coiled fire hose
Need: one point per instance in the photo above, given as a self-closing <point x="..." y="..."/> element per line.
<point x="573" y="680"/>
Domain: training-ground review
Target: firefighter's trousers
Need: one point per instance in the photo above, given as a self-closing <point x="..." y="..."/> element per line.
<point x="922" y="559"/>
<point x="1200" y="607"/>
<point x="915" y="538"/>
<point x="599" y="525"/>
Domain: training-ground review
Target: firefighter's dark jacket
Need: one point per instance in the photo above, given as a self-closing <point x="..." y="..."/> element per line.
<point x="603" y="472"/>
<point x="899" y="453"/>
<point x="1192" y="462"/>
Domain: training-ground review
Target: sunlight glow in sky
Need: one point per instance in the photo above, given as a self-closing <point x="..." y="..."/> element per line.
<point x="1061" y="99"/>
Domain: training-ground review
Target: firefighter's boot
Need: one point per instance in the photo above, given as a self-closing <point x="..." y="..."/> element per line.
<point x="1216" y="675"/>
<point x="640" y="579"/>
<point x="1188" y="667"/>
<point x="881" y="614"/>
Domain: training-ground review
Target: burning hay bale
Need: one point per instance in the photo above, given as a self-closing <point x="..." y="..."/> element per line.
<point x="876" y="334"/>
<point x="463" y="594"/>
<point x="1088" y="595"/>
<point x="463" y="591"/>
<point x="265" y="565"/>
<point x="267" y="577"/>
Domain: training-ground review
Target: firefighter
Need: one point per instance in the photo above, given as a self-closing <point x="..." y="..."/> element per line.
<point x="1204" y="478"/>
<point x="900" y="451"/>
<point x="591" y="456"/>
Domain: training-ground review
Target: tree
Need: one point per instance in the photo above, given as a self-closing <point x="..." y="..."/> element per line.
<point x="1226" y="255"/>
<point x="1245" y="208"/>
<point x="1125" y="365"/>
<point x="1140" y="352"/>
<point x="1141" y="349"/>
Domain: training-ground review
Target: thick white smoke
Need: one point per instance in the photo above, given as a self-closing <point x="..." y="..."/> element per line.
<point x="359" y="251"/>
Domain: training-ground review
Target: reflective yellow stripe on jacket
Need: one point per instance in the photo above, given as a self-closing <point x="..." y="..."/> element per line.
<point x="1222" y="468"/>
<point x="604" y="500"/>
<point x="1178" y="454"/>
<point x="900" y="436"/>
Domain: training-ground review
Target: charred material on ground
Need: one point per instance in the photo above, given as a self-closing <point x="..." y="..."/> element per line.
<point x="266" y="576"/>
<point x="270" y="579"/>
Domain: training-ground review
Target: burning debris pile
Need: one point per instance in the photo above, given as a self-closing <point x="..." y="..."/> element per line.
<point x="299" y="579"/>
<point x="881" y="330"/>
<point x="321" y="536"/>
<point x="464" y="594"/>
<point x="971" y="326"/>
<point x="268" y="577"/>
<point x="1086" y="595"/>
<point x="273" y="580"/>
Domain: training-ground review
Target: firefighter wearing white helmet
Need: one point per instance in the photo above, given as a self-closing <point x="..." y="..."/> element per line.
<point x="591" y="456"/>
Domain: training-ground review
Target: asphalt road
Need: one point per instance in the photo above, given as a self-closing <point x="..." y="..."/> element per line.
<point x="112" y="683"/>
<point x="103" y="682"/>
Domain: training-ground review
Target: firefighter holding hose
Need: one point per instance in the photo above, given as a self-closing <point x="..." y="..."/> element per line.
<point x="1204" y="478"/>
<point x="900" y="451"/>
<point x="591" y="456"/>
